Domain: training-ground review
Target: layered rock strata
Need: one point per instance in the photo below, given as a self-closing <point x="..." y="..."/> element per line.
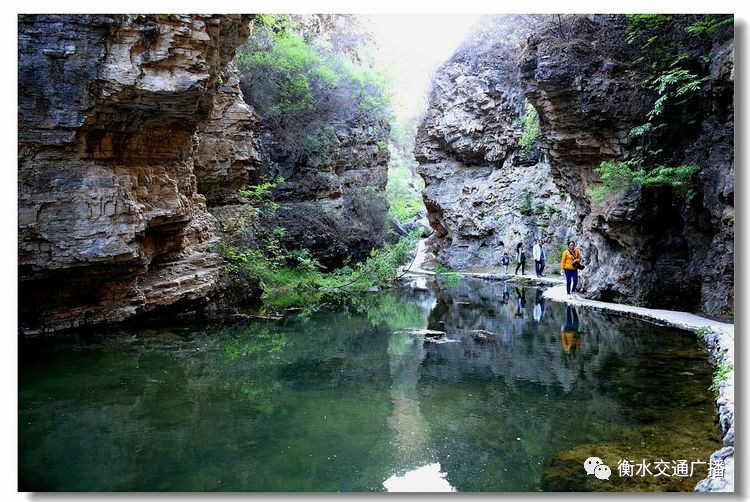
<point x="332" y="201"/>
<point x="648" y="246"/>
<point x="111" y="221"/>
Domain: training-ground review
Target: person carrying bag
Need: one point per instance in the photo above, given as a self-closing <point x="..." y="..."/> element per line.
<point x="570" y="263"/>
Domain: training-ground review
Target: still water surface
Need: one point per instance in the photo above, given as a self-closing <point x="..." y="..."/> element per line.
<point x="514" y="396"/>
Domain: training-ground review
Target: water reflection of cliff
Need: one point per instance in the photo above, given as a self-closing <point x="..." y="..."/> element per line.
<point x="352" y="395"/>
<point x="515" y="391"/>
<point x="522" y="348"/>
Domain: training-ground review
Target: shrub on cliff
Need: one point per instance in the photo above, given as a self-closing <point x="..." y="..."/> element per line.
<point x="300" y="88"/>
<point x="673" y="73"/>
<point x="531" y="130"/>
<point x="619" y="176"/>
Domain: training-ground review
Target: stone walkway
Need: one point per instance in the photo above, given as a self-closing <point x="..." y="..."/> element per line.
<point x="682" y="320"/>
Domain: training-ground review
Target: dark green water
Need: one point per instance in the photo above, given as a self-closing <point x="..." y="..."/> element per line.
<point x="344" y="398"/>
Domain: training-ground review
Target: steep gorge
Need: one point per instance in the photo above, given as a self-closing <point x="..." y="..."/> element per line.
<point x="483" y="193"/>
<point x="134" y="141"/>
<point x="647" y="245"/>
<point x="321" y="133"/>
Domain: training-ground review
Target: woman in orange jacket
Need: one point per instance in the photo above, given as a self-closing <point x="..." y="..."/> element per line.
<point x="570" y="258"/>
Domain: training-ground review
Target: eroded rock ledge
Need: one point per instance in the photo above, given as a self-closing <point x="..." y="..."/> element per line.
<point x="111" y="222"/>
<point x="646" y="246"/>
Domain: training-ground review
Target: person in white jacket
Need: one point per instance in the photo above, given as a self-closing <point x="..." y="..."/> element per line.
<point x="538" y="252"/>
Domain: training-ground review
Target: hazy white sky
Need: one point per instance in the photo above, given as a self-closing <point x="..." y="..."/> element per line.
<point x="413" y="46"/>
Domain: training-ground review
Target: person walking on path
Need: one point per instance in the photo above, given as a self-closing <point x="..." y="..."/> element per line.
<point x="505" y="261"/>
<point x="520" y="259"/>
<point x="570" y="262"/>
<point x="538" y="252"/>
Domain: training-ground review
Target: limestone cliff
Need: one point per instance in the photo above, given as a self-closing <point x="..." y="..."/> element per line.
<point x="590" y="89"/>
<point x="483" y="194"/>
<point x="111" y="221"/>
<point x="646" y="245"/>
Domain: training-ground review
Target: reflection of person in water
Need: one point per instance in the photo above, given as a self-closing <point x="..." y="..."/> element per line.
<point x="506" y="294"/>
<point x="521" y="302"/>
<point x="571" y="339"/>
<point x="538" y="305"/>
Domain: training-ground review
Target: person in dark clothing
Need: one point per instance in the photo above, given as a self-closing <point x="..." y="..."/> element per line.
<point x="520" y="259"/>
<point x="505" y="261"/>
<point x="539" y="258"/>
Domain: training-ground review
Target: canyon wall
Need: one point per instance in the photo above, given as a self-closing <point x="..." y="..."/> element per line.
<point x="328" y="143"/>
<point x="483" y="194"/>
<point x="135" y="139"/>
<point x="111" y="221"/>
<point x="647" y="245"/>
<point x="591" y="88"/>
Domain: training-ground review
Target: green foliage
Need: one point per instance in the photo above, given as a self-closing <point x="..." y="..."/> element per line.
<point x="263" y="344"/>
<point x="646" y="26"/>
<point x="320" y="139"/>
<point x="447" y="275"/>
<point x="673" y="68"/>
<point x="300" y="88"/>
<point x="290" y="279"/>
<point x="388" y="308"/>
<point x="403" y="189"/>
<point x="703" y="331"/>
<point x="554" y="253"/>
<point x="444" y="269"/>
<point x="618" y="176"/>
<point x="379" y="269"/>
<point x="450" y="280"/>
<point x="531" y="130"/>
<point x="257" y="195"/>
<point x="709" y="25"/>
<point x="721" y="374"/>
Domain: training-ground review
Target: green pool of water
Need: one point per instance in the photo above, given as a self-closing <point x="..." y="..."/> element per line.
<point x="514" y="396"/>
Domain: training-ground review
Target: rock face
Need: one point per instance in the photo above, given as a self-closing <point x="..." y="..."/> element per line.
<point x="332" y="201"/>
<point x="228" y="153"/>
<point x="111" y="221"/>
<point x="336" y="208"/>
<point x="483" y="196"/>
<point x="646" y="245"/>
